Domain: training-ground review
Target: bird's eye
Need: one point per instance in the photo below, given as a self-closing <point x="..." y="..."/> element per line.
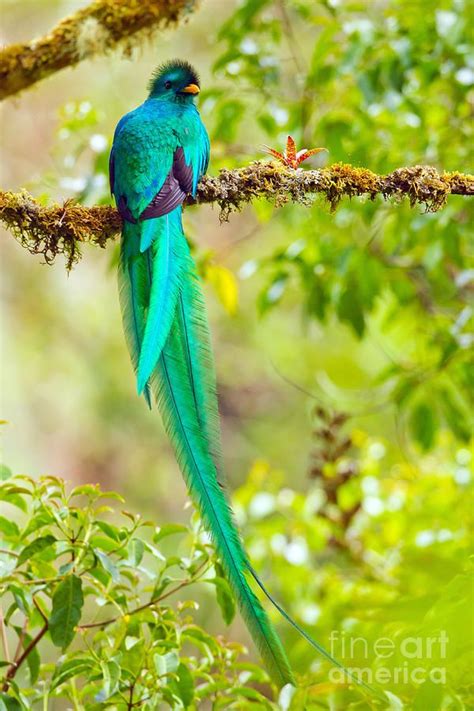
<point x="168" y="85"/>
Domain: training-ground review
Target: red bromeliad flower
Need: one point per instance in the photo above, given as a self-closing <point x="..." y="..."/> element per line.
<point x="292" y="158"/>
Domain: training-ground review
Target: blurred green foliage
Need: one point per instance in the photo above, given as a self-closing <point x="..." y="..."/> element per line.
<point x="378" y="555"/>
<point x="362" y="529"/>
<point x="384" y="88"/>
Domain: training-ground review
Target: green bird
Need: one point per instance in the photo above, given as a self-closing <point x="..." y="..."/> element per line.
<point x="160" y="151"/>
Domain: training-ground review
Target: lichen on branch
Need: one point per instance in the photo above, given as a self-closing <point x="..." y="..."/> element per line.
<point x="422" y="184"/>
<point x="94" y="29"/>
<point x="57" y="229"/>
<point x="60" y="229"/>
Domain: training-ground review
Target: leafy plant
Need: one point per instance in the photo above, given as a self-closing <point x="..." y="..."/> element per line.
<point x="88" y="613"/>
<point x="97" y="609"/>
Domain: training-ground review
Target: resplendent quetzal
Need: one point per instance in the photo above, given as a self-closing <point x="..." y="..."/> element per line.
<point x="160" y="151"/>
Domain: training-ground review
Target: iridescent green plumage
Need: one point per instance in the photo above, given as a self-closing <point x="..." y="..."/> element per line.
<point x="165" y="320"/>
<point x="159" y="153"/>
<point x="178" y="396"/>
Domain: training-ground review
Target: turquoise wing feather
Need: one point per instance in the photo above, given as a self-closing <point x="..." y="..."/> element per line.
<point x="143" y="148"/>
<point x="143" y="160"/>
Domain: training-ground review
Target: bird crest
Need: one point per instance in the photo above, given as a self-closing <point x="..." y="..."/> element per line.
<point x="174" y="70"/>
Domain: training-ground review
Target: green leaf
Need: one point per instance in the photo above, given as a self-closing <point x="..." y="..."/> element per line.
<point x="166" y="663"/>
<point x="286" y="694"/>
<point x="12" y="496"/>
<point x="458" y="417"/>
<point x="111" y="674"/>
<point x="273" y="293"/>
<point x="108" y="564"/>
<point x="35" y="547"/>
<point x="169" y="530"/>
<point x="201" y="639"/>
<point x="104" y="543"/>
<point x="185" y="685"/>
<point x="429" y="696"/>
<point x="8" y="703"/>
<point x="14" y="489"/>
<point x="85" y="490"/>
<point x="395" y="704"/>
<point x="5" y="472"/>
<point x="66" y="611"/>
<point x="66" y="568"/>
<point x="153" y="550"/>
<point x="9" y="528"/>
<point x="134" y="658"/>
<point x="130" y="642"/>
<point x="349" y="310"/>
<point x="110" y="531"/>
<point x="423" y="425"/>
<point x="112" y="495"/>
<point x="136" y="549"/>
<point x="71" y="668"/>
<point x="224" y="596"/>
<point x="22" y="597"/>
<point x="33" y="659"/>
<point x="43" y="518"/>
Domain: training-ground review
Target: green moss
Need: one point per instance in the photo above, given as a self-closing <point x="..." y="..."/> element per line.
<point x="421" y="184"/>
<point x="95" y="29"/>
<point x="60" y="229"/>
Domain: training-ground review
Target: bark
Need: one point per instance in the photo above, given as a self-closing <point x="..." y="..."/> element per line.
<point x="60" y="229"/>
<point x="96" y="29"/>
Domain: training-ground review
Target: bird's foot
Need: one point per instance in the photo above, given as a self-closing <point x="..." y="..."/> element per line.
<point x="292" y="158"/>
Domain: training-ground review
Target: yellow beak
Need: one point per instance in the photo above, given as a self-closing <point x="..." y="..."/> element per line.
<point x="191" y="89"/>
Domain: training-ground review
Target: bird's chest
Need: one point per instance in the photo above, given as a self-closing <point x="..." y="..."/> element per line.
<point x="186" y="129"/>
<point x="163" y="135"/>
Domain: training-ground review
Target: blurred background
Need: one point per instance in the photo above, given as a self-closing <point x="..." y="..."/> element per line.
<point x="342" y="341"/>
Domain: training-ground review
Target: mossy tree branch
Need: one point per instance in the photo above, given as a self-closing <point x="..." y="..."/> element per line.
<point x="95" y="29"/>
<point x="60" y="229"/>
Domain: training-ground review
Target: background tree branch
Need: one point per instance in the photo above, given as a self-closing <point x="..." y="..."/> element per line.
<point x="59" y="229"/>
<point x="95" y="29"/>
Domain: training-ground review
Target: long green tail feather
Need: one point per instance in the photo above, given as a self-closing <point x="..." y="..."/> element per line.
<point x="183" y="383"/>
<point x="191" y="321"/>
<point x="192" y="332"/>
<point x="312" y="642"/>
<point x="176" y="400"/>
<point x="134" y="294"/>
<point x="169" y="257"/>
<point x="177" y="406"/>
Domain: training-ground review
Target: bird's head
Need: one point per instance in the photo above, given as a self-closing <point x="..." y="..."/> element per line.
<point x="175" y="81"/>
